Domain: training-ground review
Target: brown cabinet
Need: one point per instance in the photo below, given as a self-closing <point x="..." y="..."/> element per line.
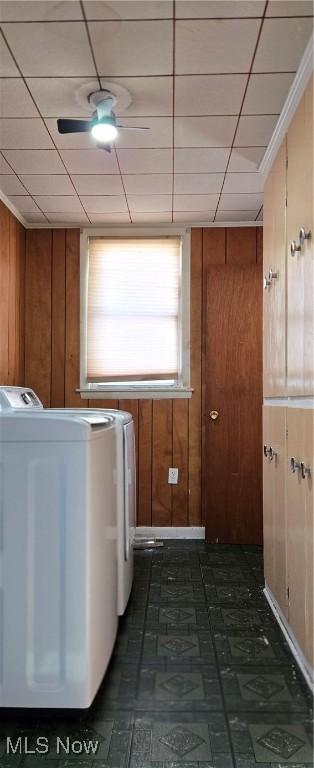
<point x="274" y="272"/>
<point x="300" y="249"/>
<point x="288" y="517"/>
<point x="300" y="427"/>
<point x="288" y="373"/>
<point x="275" y="526"/>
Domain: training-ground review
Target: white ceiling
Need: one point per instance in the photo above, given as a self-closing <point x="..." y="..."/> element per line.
<point x="208" y="78"/>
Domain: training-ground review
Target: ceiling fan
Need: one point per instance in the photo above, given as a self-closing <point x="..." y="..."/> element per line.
<point x="103" y="126"/>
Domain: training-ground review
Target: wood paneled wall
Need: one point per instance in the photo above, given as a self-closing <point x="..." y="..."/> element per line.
<point x="168" y="432"/>
<point x="12" y="267"/>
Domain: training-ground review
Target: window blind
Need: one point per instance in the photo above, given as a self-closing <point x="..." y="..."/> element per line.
<point x="133" y="309"/>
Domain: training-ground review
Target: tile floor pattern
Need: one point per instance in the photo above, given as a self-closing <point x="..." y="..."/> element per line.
<point x="200" y="677"/>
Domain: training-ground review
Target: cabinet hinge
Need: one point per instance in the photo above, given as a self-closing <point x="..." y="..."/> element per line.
<point x="286" y="202"/>
<point x="288" y="593"/>
<point x="286" y="431"/>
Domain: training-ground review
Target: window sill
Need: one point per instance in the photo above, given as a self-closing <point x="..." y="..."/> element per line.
<point x="135" y="393"/>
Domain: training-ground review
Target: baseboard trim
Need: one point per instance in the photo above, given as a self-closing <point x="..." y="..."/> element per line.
<point x="303" y="664"/>
<point x="172" y="533"/>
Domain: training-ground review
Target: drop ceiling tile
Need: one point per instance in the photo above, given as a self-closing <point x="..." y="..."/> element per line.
<point x="59" y="203"/>
<point x="35" y="218"/>
<point x="34" y="161"/>
<point x="43" y="184"/>
<point x="89" y="161"/>
<point x="209" y="94"/>
<point x="159" y="133"/>
<point x="243" y="182"/>
<point x="149" y="203"/>
<point x="39" y="10"/>
<point x="193" y="216"/>
<point x="282" y="44"/>
<point x="203" y="47"/>
<point x="15" y="100"/>
<point x="55" y="49"/>
<point x="201" y="160"/>
<point x="69" y="140"/>
<point x="195" y="202"/>
<point x="197" y="183"/>
<point x="7" y="66"/>
<point x="109" y="218"/>
<point x="10" y="185"/>
<point x="198" y="9"/>
<point x="97" y="184"/>
<point x="245" y="159"/>
<point x="152" y="218"/>
<point x="148" y="184"/>
<point x="139" y="96"/>
<point x="129" y="9"/>
<point x="68" y="218"/>
<point x="231" y="216"/>
<point x="23" y="203"/>
<point x="104" y="203"/>
<point x="25" y="133"/>
<point x="241" y="202"/>
<point x="266" y="94"/>
<point x="4" y="167"/>
<point x="63" y="96"/>
<point x="290" y="8"/>
<point x="145" y="160"/>
<point x="255" y="131"/>
<point x="204" y="131"/>
<point x="132" y="47"/>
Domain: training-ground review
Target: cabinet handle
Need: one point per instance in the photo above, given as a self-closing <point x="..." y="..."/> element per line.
<point x="269" y="452"/>
<point x="303" y="236"/>
<point x="294" y="247"/>
<point x="294" y="464"/>
<point x="305" y="470"/>
<point x="267" y="283"/>
<point x="272" y="275"/>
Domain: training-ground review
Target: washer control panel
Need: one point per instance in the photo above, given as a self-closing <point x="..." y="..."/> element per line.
<point x="15" y="398"/>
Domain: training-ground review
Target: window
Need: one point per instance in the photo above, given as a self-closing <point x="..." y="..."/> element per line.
<point x="134" y="324"/>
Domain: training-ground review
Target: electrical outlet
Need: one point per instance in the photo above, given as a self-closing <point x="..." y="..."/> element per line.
<point x="173" y="475"/>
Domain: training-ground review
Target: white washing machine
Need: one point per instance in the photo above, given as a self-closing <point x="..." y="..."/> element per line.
<point x="125" y="491"/>
<point x="58" y="552"/>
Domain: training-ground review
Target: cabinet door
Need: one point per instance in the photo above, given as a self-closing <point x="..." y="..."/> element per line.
<point x="300" y="266"/>
<point x="300" y="529"/>
<point x="274" y="258"/>
<point x="275" y="544"/>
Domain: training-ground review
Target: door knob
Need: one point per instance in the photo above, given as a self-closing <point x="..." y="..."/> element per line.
<point x="214" y="415"/>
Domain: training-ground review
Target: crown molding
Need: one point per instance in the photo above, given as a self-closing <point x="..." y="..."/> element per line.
<point x="159" y="226"/>
<point x="13" y="209"/>
<point x="289" y="108"/>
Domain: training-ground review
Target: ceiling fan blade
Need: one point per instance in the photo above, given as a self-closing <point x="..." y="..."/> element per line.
<point x="106" y="147"/>
<point x="132" y="128"/>
<point x="73" y="126"/>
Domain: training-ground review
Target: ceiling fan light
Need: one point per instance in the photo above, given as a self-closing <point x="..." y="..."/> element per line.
<point x="104" y="132"/>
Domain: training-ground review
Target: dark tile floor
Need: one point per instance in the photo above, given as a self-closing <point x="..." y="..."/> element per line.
<point x="201" y="676"/>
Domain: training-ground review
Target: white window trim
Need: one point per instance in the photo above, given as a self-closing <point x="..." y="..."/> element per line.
<point x="128" y="391"/>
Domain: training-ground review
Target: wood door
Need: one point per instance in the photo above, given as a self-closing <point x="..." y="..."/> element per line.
<point x="300" y="266"/>
<point x="274" y="504"/>
<point x="274" y="259"/>
<point x="232" y="386"/>
<point x="300" y="529"/>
